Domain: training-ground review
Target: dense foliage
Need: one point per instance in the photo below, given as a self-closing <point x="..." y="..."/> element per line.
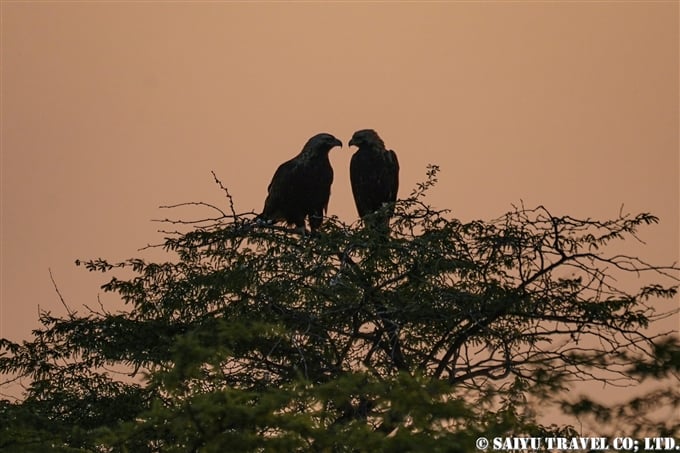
<point x="252" y="337"/>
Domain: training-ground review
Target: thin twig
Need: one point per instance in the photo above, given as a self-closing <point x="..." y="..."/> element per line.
<point x="61" y="298"/>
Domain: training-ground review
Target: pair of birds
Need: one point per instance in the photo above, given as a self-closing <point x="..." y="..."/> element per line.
<point x="301" y="187"/>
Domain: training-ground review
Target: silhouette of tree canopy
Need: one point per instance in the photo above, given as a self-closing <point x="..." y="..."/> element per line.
<point x="253" y="337"/>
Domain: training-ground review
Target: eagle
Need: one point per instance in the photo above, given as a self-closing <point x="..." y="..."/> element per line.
<point x="301" y="187"/>
<point x="374" y="173"/>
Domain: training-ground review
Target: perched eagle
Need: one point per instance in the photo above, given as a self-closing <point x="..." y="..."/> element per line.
<point x="374" y="172"/>
<point x="301" y="186"/>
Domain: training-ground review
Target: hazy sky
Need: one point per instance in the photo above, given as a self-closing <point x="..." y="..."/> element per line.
<point x="110" y="109"/>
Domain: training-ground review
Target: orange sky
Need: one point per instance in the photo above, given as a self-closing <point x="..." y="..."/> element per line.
<point x="110" y="109"/>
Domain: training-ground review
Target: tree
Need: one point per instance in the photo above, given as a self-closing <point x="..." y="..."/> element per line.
<point x="254" y="337"/>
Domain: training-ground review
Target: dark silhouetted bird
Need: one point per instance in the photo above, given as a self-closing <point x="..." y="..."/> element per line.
<point x="301" y="187"/>
<point x="374" y="172"/>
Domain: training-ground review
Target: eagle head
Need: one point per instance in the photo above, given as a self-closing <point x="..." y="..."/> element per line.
<point x="321" y="143"/>
<point x="366" y="137"/>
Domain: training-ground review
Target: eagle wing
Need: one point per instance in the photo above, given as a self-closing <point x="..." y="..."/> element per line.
<point x="392" y="176"/>
<point x="299" y="189"/>
<point x="280" y="191"/>
<point x="375" y="180"/>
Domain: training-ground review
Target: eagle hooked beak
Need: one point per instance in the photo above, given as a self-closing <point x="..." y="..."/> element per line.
<point x="337" y="142"/>
<point x="351" y="143"/>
